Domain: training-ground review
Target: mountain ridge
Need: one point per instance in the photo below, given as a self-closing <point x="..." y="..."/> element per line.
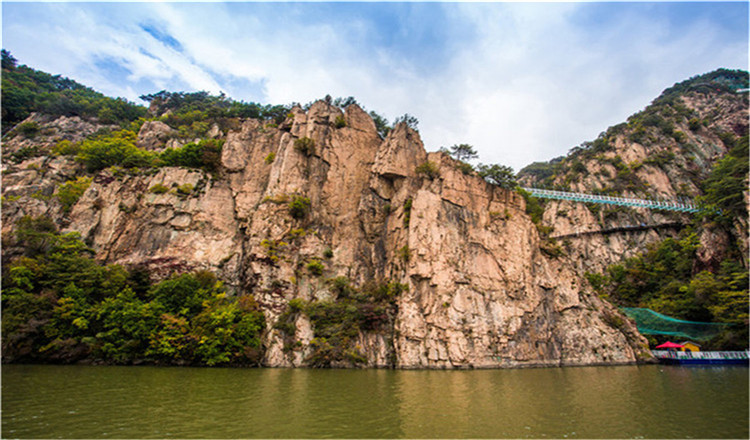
<point x="336" y="245"/>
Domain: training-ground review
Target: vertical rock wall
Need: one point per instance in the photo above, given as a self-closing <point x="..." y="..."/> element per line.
<point x="480" y="292"/>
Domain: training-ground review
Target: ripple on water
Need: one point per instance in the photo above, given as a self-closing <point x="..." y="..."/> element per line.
<point x="147" y="402"/>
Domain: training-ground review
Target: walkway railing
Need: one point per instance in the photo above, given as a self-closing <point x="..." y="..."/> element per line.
<point x="666" y="205"/>
<point x="668" y="354"/>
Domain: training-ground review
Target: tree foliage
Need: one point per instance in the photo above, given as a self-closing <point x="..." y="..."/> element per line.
<point x="72" y="190"/>
<point x="410" y="121"/>
<point x="666" y="279"/>
<point x="116" y="148"/>
<point x="725" y="186"/>
<point x="462" y="152"/>
<point x="59" y="305"/>
<point x="428" y="169"/>
<point x="205" y="154"/>
<point x="26" y="90"/>
<point x="337" y="323"/>
<point x="381" y="124"/>
<point x="500" y="175"/>
<point x="179" y="107"/>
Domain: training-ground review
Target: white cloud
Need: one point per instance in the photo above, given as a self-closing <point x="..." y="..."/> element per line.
<point x="521" y="82"/>
<point x="534" y="85"/>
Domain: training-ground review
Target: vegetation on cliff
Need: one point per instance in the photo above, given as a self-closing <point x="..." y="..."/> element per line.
<point x="337" y="323"/>
<point x="665" y="279"/>
<point x="661" y="127"/>
<point x="724" y="189"/>
<point x="26" y="90"/>
<point x="59" y="305"/>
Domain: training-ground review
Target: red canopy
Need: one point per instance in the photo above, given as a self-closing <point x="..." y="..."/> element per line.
<point x="669" y="345"/>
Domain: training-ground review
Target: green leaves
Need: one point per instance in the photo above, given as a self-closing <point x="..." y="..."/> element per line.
<point x="116" y="148"/>
<point x="206" y="155"/>
<point x="499" y="175"/>
<point x="664" y="279"/>
<point x="26" y="90"/>
<point x="299" y="207"/>
<point x="72" y="190"/>
<point x="337" y="323"/>
<point x="62" y="305"/>
<point x="725" y="185"/>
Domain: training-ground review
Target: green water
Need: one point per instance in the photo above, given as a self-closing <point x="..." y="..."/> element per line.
<point x="150" y="402"/>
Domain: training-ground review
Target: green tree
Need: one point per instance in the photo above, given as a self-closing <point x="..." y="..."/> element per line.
<point x="206" y="155"/>
<point x="725" y="186"/>
<point x="183" y="295"/>
<point x="410" y="121"/>
<point x="299" y="207"/>
<point x="126" y="326"/>
<point x="462" y="152"/>
<point x="117" y="148"/>
<point x="381" y="124"/>
<point x="499" y="175"/>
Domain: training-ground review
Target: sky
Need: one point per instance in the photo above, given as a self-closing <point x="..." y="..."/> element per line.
<point x="521" y="82"/>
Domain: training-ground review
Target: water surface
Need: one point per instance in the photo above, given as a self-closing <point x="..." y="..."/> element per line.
<point x="593" y="402"/>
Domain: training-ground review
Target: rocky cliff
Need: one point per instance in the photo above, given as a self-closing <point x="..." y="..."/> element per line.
<point x="664" y="152"/>
<point x="295" y="206"/>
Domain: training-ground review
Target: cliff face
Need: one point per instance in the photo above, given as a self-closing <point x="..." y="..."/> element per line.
<point x="664" y="152"/>
<point x="480" y="292"/>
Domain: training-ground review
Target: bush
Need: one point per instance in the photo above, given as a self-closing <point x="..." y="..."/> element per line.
<point x="158" y="189"/>
<point x="117" y="148"/>
<point x="724" y="188"/>
<point x="205" y="155"/>
<point x="340" y="121"/>
<point x="381" y="124"/>
<point x="28" y="129"/>
<point x="66" y="148"/>
<point x="407" y="212"/>
<point x="337" y="323"/>
<point x="72" y="190"/>
<point x="410" y="121"/>
<point x="24" y="153"/>
<point x="404" y="253"/>
<point x="59" y="304"/>
<point x="465" y="168"/>
<point x="305" y="146"/>
<point x="299" y="206"/>
<point x="429" y="169"/>
<point x="36" y="234"/>
<point x="270" y="158"/>
<point x="315" y="267"/>
<point x="533" y="208"/>
<point x="185" y="189"/>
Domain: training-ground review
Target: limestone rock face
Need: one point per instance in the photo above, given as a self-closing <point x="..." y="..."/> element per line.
<point x="481" y="293"/>
<point x="643" y="162"/>
<point x="50" y="131"/>
<point x="154" y="135"/>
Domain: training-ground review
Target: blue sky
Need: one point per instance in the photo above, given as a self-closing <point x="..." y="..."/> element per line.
<point x="522" y="82"/>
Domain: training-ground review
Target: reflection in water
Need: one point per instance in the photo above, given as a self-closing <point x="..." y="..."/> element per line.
<point x="150" y="402"/>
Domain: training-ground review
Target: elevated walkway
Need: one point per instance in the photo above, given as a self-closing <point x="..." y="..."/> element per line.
<point x="664" y="205"/>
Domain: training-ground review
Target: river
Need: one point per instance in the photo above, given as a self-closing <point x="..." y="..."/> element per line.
<point x="587" y="402"/>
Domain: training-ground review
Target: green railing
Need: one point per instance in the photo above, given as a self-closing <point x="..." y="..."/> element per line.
<point x="666" y="205"/>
